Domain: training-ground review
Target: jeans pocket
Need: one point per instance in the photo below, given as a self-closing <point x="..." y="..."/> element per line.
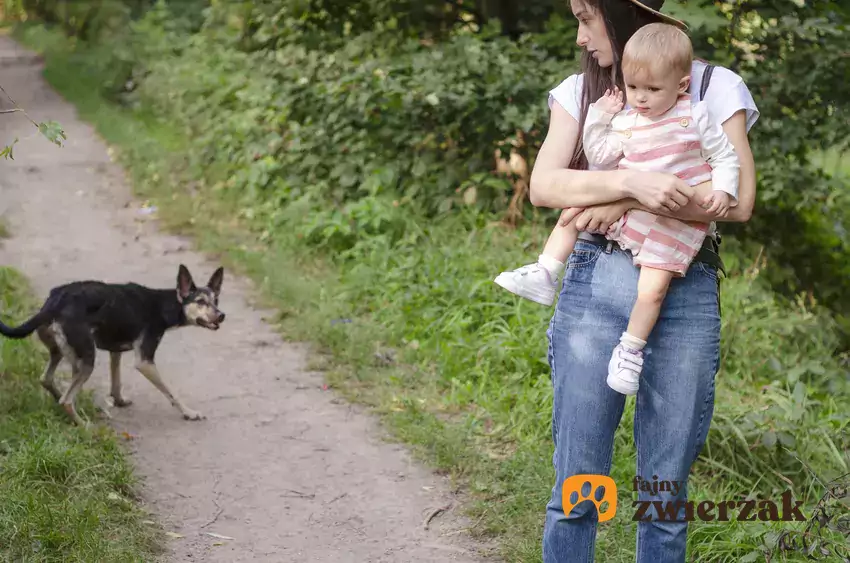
<point x="584" y="254"/>
<point x="706" y="270"/>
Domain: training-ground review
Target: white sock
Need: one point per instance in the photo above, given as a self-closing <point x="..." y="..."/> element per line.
<point x="554" y="266"/>
<point x="632" y="342"/>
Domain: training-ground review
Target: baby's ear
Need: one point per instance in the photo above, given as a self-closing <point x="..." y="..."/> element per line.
<point x="684" y="85"/>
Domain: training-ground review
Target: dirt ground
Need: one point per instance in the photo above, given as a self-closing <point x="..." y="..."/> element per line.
<point x="287" y="470"/>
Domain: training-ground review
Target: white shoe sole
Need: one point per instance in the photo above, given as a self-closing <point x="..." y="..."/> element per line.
<point x="621" y="385"/>
<point x="543" y="298"/>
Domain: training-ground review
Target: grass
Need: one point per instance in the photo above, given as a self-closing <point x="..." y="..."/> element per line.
<point x="4" y="229"/>
<point x="457" y="369"/>
<point x="66" y="493"/>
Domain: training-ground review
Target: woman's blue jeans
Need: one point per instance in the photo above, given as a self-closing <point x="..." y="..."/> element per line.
<point x="674" y="404"/>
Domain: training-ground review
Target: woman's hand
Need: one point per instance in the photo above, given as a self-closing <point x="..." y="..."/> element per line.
<point x="657" y="191"/>
<point x="595" y="219"/>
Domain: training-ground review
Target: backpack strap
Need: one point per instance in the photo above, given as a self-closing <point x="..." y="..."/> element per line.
<point x="706" y="78"/>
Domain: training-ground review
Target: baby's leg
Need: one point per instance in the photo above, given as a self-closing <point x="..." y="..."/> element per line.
<point x="652" y="288"/>
<point x="626" y="362"/>
<point x="561" y="242"/>
<point x="538" y="282"/>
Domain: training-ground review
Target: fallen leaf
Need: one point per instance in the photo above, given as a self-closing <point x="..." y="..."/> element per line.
<point x="219" y="536"/>
<point x="149" y="522"/>
<point x="173" y="535"/>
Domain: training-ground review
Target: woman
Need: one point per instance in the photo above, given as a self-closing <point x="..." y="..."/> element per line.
<point x="675" y="402"/>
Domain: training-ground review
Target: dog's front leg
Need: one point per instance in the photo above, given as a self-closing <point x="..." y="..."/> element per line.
<point x="115" y="377"/>
<point x="149" y="370"/>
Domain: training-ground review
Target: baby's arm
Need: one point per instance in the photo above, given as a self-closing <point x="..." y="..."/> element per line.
<point x="602" y="146"/>
<point x="720" y="154"/>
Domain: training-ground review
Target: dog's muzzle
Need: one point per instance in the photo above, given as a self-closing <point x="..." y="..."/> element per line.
<point x="212" y="325"/>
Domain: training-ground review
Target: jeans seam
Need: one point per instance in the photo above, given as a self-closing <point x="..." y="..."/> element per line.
<point x="708" y="397"/>
<point x="639" y="457"/>
<point x="551" y="354"/>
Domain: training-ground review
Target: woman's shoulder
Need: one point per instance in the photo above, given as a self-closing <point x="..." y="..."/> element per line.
<point x="568" y="94"/>
<point x="725" y="95"/>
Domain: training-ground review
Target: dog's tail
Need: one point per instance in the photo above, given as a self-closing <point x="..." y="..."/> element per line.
<point x="45" y="315"/>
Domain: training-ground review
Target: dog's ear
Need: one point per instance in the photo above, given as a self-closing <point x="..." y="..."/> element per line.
<point x="216" y="280"/>
<point x="185" y="285"/>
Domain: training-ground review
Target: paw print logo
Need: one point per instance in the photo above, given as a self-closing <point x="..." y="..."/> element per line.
<point x="598" y="489"/>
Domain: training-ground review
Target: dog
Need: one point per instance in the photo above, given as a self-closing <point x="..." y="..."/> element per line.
<point x="79" y="317"/>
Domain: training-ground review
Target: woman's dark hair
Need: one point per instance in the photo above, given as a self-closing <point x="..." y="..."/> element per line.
<point x="622" y="19"/>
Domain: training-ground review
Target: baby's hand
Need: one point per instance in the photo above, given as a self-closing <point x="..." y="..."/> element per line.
<point x="611" y="101"/>
<point x="717" y="203"/>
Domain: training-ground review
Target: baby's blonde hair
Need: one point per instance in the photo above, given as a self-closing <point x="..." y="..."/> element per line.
<point x="658" y="48"/>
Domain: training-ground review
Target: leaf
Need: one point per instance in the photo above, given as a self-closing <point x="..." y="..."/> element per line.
<point x="53" y="131"/>
<point x="817" y="369"/>
<point x="470" y="195"/>
<point x="800" y="393"/>
<point x="420" y="168"/>
<point x="218" y="536"/>
<point x="751" y="556"/>
<point x="794" y="374"/>
<point x="769" y="439"/>
<point x="786" y="440"/>
<point x="173" y="535"/>
<point x="8" y="150"/>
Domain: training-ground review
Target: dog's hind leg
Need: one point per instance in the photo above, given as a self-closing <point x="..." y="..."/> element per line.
<point x="115" y="379"/>
<point x="79" y="348"/>
<point x="82" y="371"/>
<point x="45" y="334"/>
<point x="146" y="366"/>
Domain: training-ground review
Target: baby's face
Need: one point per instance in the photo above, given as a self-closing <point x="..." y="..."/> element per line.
<point x="653" y="95"/>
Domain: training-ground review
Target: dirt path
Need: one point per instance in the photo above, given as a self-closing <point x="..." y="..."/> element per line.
<point x="286" y="469"/>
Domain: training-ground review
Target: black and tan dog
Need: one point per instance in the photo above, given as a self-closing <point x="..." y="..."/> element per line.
<point x="82" y="316"/>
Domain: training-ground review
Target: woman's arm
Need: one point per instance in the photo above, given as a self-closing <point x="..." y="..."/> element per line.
<point x="554" y="185"/>
<point x="736" y="129"/>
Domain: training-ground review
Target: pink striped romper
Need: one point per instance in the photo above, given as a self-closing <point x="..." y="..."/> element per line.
<point x="683" y="142"/>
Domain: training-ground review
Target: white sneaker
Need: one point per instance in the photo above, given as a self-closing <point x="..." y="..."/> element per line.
<point x="532" y="281"/>
<point x="624" y="370"/>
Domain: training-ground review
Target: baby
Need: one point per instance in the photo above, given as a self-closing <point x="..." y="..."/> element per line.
<point x="661" y="131"/>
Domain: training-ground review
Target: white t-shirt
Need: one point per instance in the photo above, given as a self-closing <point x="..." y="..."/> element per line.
<point x="726" y="94"/>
